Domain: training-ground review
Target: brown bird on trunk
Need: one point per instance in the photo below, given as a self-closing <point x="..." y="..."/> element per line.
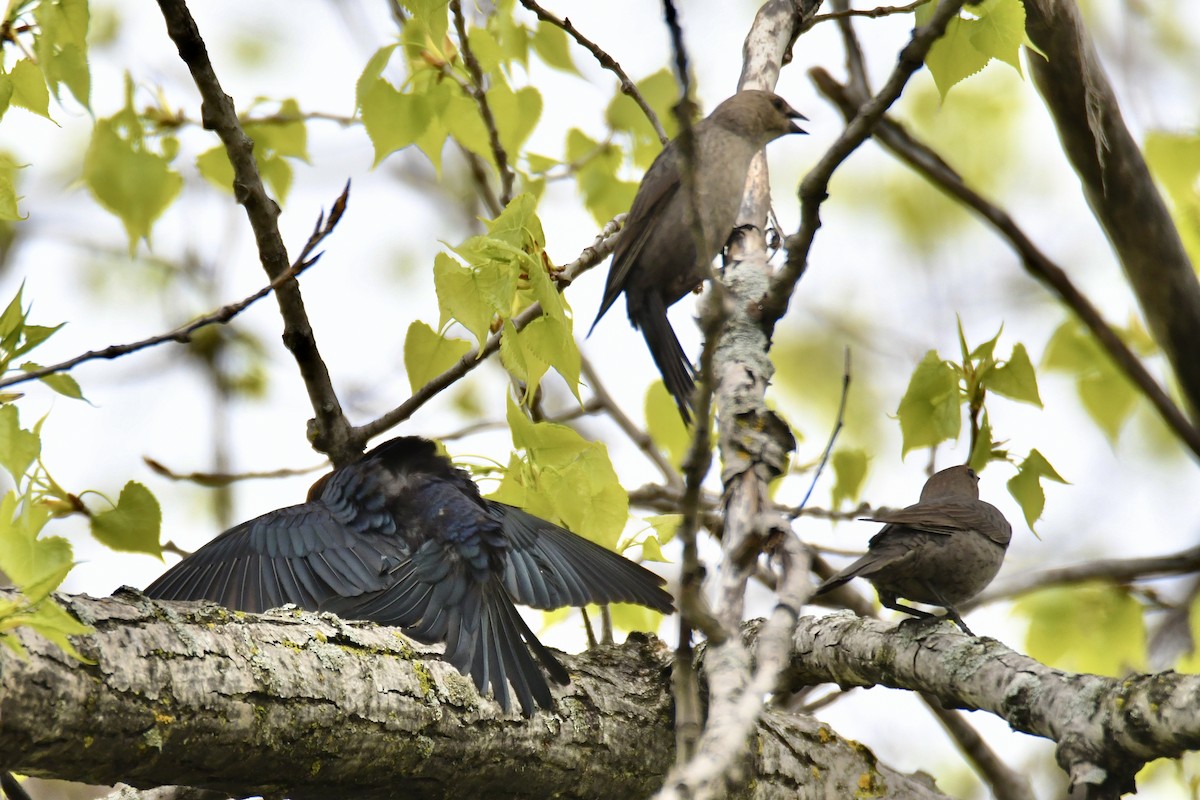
<point x="655" y="261"/>
<point x="942" y="551"/>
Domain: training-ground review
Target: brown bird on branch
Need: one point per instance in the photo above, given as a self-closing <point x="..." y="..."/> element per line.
<point x="655" y="262"/>
<point x="942" y="551"/>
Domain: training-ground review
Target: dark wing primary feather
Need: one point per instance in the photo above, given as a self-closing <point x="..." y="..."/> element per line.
<point x="302" y="554"/>
<point x="550" y="567"/>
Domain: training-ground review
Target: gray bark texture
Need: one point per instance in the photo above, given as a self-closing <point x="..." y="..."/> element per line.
<point x="300" y="705"/>
<point x="1118" y="184"/>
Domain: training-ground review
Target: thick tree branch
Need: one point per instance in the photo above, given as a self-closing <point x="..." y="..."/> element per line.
<point x="331" y="432"/>
<point x="1106" y="728"/>
<point x="930" y="165"/>
<point x="303" y="705"/>
<point x="1118" y="184"/>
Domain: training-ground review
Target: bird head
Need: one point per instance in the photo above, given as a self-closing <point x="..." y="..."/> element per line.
<point x="759" y="115"/>
<point x="958" y="482"/>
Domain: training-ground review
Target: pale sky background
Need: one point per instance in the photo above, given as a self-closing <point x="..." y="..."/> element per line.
<point x="375" y="278"/>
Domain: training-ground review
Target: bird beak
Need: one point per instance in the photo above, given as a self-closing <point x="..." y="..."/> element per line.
<point x="793" y="114"/>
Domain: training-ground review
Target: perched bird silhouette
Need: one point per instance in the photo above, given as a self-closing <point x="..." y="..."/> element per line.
<point x="942" y="551"/>
<point x="655" y="261"/>
<point x="402" y="537"/>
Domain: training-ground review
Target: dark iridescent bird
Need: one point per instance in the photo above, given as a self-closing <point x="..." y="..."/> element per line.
<point x="942" y="551"/>
<point x="655" y="262"/>
<point x="403" y="538"/>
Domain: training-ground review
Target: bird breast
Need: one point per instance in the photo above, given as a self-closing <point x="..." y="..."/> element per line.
<point x="960" y="565"/>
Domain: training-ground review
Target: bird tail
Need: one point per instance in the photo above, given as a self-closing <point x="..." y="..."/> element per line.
<point x="677" y="372"/>
<point x="498" y="655"/>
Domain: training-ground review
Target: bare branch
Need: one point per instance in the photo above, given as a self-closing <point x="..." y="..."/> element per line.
<point x="875" y="13"/>
<point x="331" y="431"/>
<point x="221" y="316"/>
<point x="626" y="85"/>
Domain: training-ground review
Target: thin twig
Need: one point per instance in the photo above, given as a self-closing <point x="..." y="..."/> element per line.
<point x="331" y="431"/>
<point x="931" y="166"/>
<point x="879" y="11"/>
<point x="1005" y="782"/>
<point x="214" y="479"/>
<point x="479" y="95"/>
<point x="590" y="257"/>
<point x="1114" y="570"/>
<point x="837" y="428"/>
<point x="636" y="435"/>
<point x="627" y="86"/>
<point x="221" y="316"/>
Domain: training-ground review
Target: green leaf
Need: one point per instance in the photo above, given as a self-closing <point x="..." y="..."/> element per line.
<point x="6" y="92"/>
<point x="459" y="298"/>
<point x="1000" y="31"/>
<point x="565" y="479"/>
<point x="849" y="471"/>
<point x="427" y="354"/>
<point x="133" y="525"/>
<point x="929" y="411"/>
<point x="1015" y="378"/>
<point x="130" y="181"/>
<point x="981" y="451"/>
<point x="1092" y="627"/>
<point x="52" y="621"/>
<point x="954" y="57"/>
<point x="597" y="165"/>
<point x="1105" y="392"/>
<point x="393" y="120"/>
<point x="9" y="212"/>
<point x="516" y="114"/>
<point x="1026" y="485"/>
<point x="61" y="46"/>
<point x="630" y="617"/>
<point x="551" y="44"/>
<point x="19" y="448"/>
<point x="662" y="528"/>
<point x="36" y="563"/>
<point x="543" y="343"/>
<point x="29" y="88"/>
<point x="432" y="15"/>
<point x="664" y="424"/>
<point x="660" y="91"/>
<point x="60" y="382"/>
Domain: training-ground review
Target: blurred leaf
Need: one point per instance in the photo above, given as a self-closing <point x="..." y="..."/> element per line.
<point x="29" y="88"/>
<point x="1091" y="627"/>
<point x="427" y="354"/>
<point x="664" y="424"/>
<point x="516" y="114"/>
<point x="850" y="471"/>
<point x="630" y="617"/>
<point x="596" y="176"/>
<point x="133" y="525"/>
<point x="1105" y="392"/>
<point x="61" y="47"/>
<point x="51" y="621"/>
<point x="930" y="412"/>
<point x="129" y="180"/>
<point x="432" y="15"/>
<point x="660" y="92"/>
<point x="552" y="46"/>
<point x="19" y="448"/>
<point x="662" y="528"/>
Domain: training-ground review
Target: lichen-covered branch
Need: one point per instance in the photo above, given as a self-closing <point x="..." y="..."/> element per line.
<point x="302" y="705"/>
<point x="1106" y="728"/>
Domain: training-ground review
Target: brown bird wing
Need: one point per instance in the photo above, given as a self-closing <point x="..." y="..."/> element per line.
<point x="658" y="189"/>
<point x="947" y="516"/>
